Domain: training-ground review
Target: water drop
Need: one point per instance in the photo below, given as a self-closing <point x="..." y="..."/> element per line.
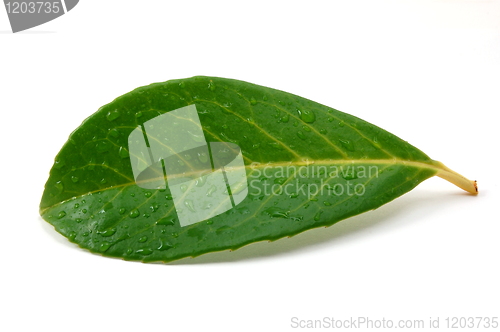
<point x="108" y="232"/>
<point x="209" y="222"/>
<point x="166" y="221"/>
<point x="196" y="137"/>
<point x="253" y="101"/>
<point x="347" y="144"/>
<point x="301" y="135"/>
<point x="168" y="197"/>
<point x="318" y="215"/>
<point x="306" y="128"/>
<point x="326" y="203"/>
<point x="84" y="211"/>
<point x="144" y="251"/>
<point x="279" y="180"/>
<point x="59" y="164"/>
<point x="183" y="188"/>
<point x="113" y="115"/>
<point x="71" y="236"/>
<point x="59" y="186"/>
<point x="200" y="182"/>
<point x="190" y="205"/>
<point x="78" y="220"/>
<point x="143" y="239"/>
<point x="202" y="157"/>
<point x="76" y="206"/>
<point x="306" y="115"/>
<point x="102" y="147"/>
<point x="147" y="194"/>
<point x="134" y="213"/>
<point x="85" y="233"/>
<point x="114" y="133"/>
<point x="123" y="152"/>
<point x="211" y="190"/>
<point x="154" y="207"/>
<point x="61" y="214"/>
<point x="138" y="114"/>
<point x="211" y="86"/>
<point x="285" y="118"/>
<point x="104" y="246"/>
<point x="122" y="210"/>
<point x="182" y="85"/>
<point x="74" y="179"/>
<point x="276" y="212"/>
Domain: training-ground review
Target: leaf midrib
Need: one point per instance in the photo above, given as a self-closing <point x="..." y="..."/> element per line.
<point x="432" y="165"/>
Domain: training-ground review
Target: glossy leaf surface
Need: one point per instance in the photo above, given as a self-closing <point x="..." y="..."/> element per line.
<point x="306" y="166"/>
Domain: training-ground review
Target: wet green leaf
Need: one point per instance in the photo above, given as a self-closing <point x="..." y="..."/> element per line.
<point x="306" y="165"/>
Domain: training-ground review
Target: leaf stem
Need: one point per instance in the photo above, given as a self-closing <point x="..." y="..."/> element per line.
<point x="457" y="179"/>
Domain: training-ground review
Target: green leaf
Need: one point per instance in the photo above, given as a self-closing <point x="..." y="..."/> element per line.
<point x="303" y="165"/>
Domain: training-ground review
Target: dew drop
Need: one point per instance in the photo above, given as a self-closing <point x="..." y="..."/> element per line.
<point x="74" y="179"/>
<point x="121" y="210"/>
<point x="196" y="137"/>
<point x="166" y="221"/>
<point x="190" y="205"/>
<point x="59" y="186"/>
<point x="143" y="239"/>
<point x="347" y="144"/>
<point x="85" y="233"/>
<point x="59" y="164"/>
<point x="76" y="206"/>
<point x="211" y="190"/>
<point x="168" y="197"/>
<point x="318" y="215"/>
<point x="114" y="133"/>
<point x="276" y="212"/>
<point x="134" y="213"/>
<point x="61" y="214"/>
<point x="306" y="115"/>
<point x="279" y="180"/>
<point x="326" y="203"/>
<point x="211" y="86"/>
<point x="183" y="188"/>
<point x="84" y="211"/>
<point x="144" y="251"/>
<point x="113" y="115"/>
<point x="301" y="135"/>
<point x="123" y="152"/>
<point x="108" y="232"/>
<point x="200" y="182"/>
<point x="285" y="118"/>
<point x="202" y="157"/>
<point x="104" y="246"/>
<point x="72" y="236"/>
<point x="138" y="114"/>
<point x="147" y="194"/>
<point x="253" y="101"/>
<point x="78" y="220"/>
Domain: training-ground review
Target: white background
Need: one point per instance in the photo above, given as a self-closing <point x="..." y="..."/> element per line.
<point x="427" y="71"/>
